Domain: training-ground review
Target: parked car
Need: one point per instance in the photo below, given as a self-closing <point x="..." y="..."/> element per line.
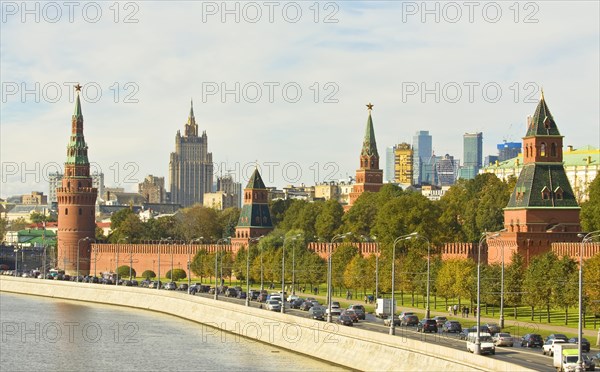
<point x="292" y="297"/>
<point x="493" y="328"/>
<point x="296" y="303"/>
<point x="559" y="336"/>
<point x="273" y="305"/>
<point x="253" y="294"/>
<point x="503" y="339"/>
<point x="351" y="314"/>
<point x="306" y="305"/>
<point x="317" y="312"/>
<point x="596" y="359"/>
<point x="335" y="310"/>
<point x="532" y="340"/>
<point x="440" y="320"/>
<point x="359" y="310"/>
<point x="589" y="363"/>
<point x="345" y="320"/>
<point x="409" y="320"/>
<point x="241" y="295"/>
<point x="231" y="292"/>
<point x="427" y="325"/>
<point x="262" y="297"/>
<point x="585" y="344"/>
<point x="182" y="287"/>
<point x="452" y="326"/>
<point x="548" y="347"/>
<point x="387" y="321"/>
<point x="171" y="286"/>
<point x="465" y="332"/>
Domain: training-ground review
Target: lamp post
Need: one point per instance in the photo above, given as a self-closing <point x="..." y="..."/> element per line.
<point x="403" y="237"/>
<point x="95" y="259"/>
<point x="16" y="259"/>
<point x="216" y="265"/>
<point x="417" y="235"/>
<point x="189" y="262"/>
<point x="248" y="268"/>
<point x="502" y="285"/>
<point x="586" y="238"/>
<point x="283" y="271"/>
<point x="117" y="260"/>
<point x="484" y="237"/>
<point x="158" y="263"/>
<point x="87" y="238"/>
<point x="368" y="238"/>
<point x="329" y="283"/>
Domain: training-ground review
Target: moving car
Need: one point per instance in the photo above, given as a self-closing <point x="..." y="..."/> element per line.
<point x="532" y="340"/>
<point x="345" y="320"/>
<point x="359" y="310"/>
<point x="493" y="328"/>
<point x="503" y="339"/>
<point x="427" y="325"/>
<point x="548" y="347"/>
<point x="452" y="326"/>
<point x="486" y="344"/>
<point x="351" y="314"/>
<point x="273" y="305"/>
<point x="317" y="312"/>
<point x="409" y="320"/>
<point x="585" y="344"/>
<point x="440" y="320"/>
<point x="388" y="321"/>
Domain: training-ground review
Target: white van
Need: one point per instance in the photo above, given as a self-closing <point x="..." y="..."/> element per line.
<point x="487" y="344"/>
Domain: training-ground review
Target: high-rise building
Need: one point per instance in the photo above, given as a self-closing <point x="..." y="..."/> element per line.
<point x="429" y="174"/>
<point x="447" y="170"/>
<point x="190" y="166"/>
<point x="490" y="159"/>
<point x="422" y="151"/>
<point x="369" y="177"/>
<point x="508" y="150"/>
<point x="403" y="164"/>
<point x="472" y="155"/>
<point x="153" y="189"/>
<point x="390" y="159"/>
<point x="76" y="202"/>
<point x="228" y="185"/>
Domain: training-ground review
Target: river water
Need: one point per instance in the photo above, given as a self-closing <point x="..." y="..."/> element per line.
<point x="44" y="334"/>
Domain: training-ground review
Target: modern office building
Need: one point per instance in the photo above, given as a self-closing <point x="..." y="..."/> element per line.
<point x="403" y="164"/>
<point x="472" y="155"/>
<point x="508" y="150"/>
<point x="190" y="166"/>
<point x="422" y="151"/>
<point x="447" y="170"/>
<point x="390" y="158"/>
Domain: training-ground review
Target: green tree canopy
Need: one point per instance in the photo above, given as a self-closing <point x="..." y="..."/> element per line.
<point x="590" y="210"/>
<point x="178" y="274"/>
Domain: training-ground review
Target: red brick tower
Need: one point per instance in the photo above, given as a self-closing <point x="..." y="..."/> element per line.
<point x="369" y="177"/>
<point x="76" y="201"/>
<point x="542" y="208"/>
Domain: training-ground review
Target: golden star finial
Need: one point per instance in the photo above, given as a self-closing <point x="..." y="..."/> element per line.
<point x="78" y="87"/>
<point x="370" y="106"/>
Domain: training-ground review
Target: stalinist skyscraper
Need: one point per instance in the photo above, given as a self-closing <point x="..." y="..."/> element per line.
<point x="190" y="166"/>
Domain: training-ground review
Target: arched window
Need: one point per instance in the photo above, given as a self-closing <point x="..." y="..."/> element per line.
<point x="553" y="150"/>
<point x="66" y="211"/>
<point x="543" y="149"/>
<point x="80" y="211"/>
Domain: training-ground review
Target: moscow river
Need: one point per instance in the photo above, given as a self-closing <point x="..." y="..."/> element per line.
<point x="43" y="334"/>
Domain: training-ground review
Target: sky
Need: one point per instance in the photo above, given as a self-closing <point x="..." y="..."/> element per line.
<point x="285" y="84"/>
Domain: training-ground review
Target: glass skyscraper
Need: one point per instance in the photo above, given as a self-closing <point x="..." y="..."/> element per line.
<point x="422" y="151"/>
<point x="473" y="155"/>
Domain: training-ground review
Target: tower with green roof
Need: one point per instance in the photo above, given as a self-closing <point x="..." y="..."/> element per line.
<point x="76" y="201"/>
<point x="542" y="208"/>
<point x="368" y="177"/>
<point x="255" y="217"/>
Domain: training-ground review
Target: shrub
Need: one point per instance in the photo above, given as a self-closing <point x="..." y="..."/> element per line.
<point x="178" y="274"/>
<point x="123" y="271"/>
<point x="148" y="274"/>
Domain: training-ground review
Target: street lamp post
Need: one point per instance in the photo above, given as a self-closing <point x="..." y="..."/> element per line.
<point x="189" y="262"/>
<point x="248" y="268"/>
<point x="329" y="282"/>
<point x="484" y="237"/>
<point x="16" y="250"/>
<point x="216" y="265"/>
<point x="417" y="235"/>
<point x="283" y="272"/>
<point x="403" y="237"/>
<point x="368" y="238"/>
<point x="586" y="238"/>
<point x="117" y="260"/>
<point x="78" y="250"/>
<point x="158" y="263"/>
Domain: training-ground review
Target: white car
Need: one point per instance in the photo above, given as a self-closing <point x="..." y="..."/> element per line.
<point x="273" y="305"/>
<point x="335" y="310"/>
<point x="486" y="343"/>
<point x="548" y="347"/>
<point x="292" y="298"/>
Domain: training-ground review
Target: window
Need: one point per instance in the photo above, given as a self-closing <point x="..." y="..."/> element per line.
<point x="543" y="149"/>
<point x="80" y="211"/>
<point x="553" y="150"/>
<point x="545" y="193"/>
<point x="66" y="211"/>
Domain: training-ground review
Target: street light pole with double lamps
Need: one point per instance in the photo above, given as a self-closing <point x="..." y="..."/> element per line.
<point x="586" y="238"/>
<point x="189" y="262"/>
<point x="417" y="235"/>
<point x="403" y="237"/>
<point x="329" y="284"/>
<point x="283" y="271"/>
<point x="484" y="237"/>
<point x="248" y="268"/>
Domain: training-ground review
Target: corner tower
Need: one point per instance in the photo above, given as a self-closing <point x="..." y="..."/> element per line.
<point x="76" y="201"/>
<point x="255" y="218"/>
<point x="368" y="177"/>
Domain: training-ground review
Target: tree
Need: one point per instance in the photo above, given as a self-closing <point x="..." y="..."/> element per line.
<point x="566" y="288"/>
<point x="178" y="274"/>
<point x="514" y="275"/>
<point x="131" y="230"/>
<point x="539" y="282"/>
<point x="200" y="264"/>
<point x="329" y="220"/>
<point x="228" y="219"/>
<point x="197" y="221"/>
<point x="591" y="280"/>
<point x="239" y="264"/>
<point x="278" y="210"/>
<point x="360" y="218"/>
<point x="18" y="224"/>
<point x="340" y="258"/>
<point x="590" y="210"/>
<point x="357" y="274"/>
<point x="148" y="274"/>
<point x="456" y="278"/>
<point x="118" y="217"/>
<point x="123" y="271"/>
<point x="3" y="227"/>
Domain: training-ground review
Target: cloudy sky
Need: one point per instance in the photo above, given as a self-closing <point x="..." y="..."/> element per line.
<point x="285" y="84"/>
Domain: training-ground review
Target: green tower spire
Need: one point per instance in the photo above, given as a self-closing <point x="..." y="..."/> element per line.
<point x="369" y="144"/>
